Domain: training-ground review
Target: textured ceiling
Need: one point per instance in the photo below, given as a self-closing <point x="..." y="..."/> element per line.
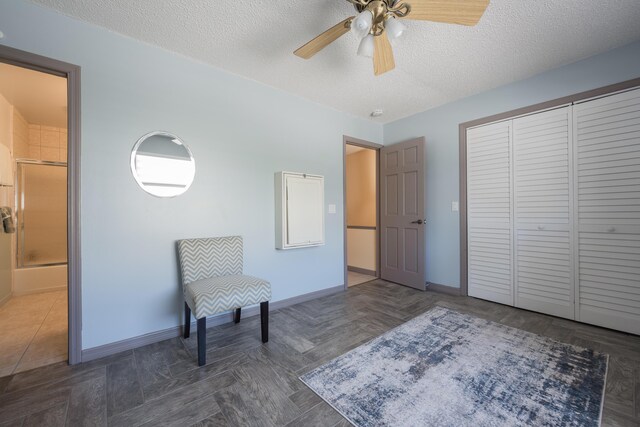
<point x="40" y="98"/>
<point x="435" y="63"/>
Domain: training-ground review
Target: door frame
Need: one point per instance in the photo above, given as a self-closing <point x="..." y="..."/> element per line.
<point x="535" y="108"/>
<point x="71" y="72"/>
<point x="348" y="140"/>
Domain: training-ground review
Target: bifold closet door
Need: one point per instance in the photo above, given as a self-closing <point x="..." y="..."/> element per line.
<point x="489" y="235"/>
<point x="608" y="210"/>
<point x="544" y="279"/>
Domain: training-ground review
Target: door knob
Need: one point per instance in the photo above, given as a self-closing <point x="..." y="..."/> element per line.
<point x="418" y="222"/>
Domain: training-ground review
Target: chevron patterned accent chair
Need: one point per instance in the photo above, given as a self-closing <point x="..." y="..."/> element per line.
<point x="213" y="282"/>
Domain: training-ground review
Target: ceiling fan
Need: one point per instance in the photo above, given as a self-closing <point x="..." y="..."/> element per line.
<point x="378" y="24"/>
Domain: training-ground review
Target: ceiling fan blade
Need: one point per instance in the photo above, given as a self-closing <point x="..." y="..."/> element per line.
<point x="382" y="55"/>
<point x="463" y="12"/>
<point x="323" y="40"/>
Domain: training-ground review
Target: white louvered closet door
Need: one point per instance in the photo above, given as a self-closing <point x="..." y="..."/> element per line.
<point x="543" y="256"/>
<point x="489" y="219"/>
<point x="607" y="160"/>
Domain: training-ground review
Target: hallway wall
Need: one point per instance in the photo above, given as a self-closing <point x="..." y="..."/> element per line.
<point x="361" y="209"/>
<point x="361" y="188"/>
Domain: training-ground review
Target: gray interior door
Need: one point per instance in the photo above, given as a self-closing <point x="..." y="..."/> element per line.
<point x="402" y="220"/>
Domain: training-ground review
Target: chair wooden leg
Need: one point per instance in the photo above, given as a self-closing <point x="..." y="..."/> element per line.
<point x="264" y="320"/>
<point x="187" y="320"/>
<point x="202" y="341"/>
<point x="236" y="315"/>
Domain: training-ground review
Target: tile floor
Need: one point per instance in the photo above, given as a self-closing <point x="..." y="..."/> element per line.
<point x="33" y="331"/>
<point x="354" y="278"/>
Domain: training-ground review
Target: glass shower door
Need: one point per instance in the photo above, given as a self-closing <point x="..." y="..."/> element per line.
<point x="42" y="214"/>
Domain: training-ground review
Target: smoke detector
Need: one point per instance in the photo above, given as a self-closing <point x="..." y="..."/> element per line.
<point x="376" y="113"/>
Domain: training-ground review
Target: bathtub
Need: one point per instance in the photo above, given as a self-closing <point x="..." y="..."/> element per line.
<point x="39" y="279"/>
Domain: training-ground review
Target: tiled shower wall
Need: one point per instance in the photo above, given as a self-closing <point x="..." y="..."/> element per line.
<point x="20" y="136"/>
<point x="41" y="143"/>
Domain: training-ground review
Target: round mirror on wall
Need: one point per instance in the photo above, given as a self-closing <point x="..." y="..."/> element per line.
<point x="162" y="164"/>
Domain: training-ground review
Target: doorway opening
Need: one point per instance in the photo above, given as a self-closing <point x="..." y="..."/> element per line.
<point x="362" y="243"/>
<point x="33" y="200"/>
<point x="40" y="305"/>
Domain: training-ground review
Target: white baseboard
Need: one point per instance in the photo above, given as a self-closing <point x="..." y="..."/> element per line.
<point x="176" y="331"/>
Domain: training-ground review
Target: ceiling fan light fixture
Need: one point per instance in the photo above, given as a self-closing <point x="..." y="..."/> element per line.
<point x="366" y="47"/>
<point x="361" y="24"/>
<point x="394" y="29"/>
<point x="378" y="24"/>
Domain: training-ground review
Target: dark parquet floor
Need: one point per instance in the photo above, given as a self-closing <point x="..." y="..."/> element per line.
<point x="246" y="383"/>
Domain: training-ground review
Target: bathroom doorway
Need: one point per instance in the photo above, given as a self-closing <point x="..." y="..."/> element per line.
<point x="39" y="231"/>
<point x="362" y="247"/>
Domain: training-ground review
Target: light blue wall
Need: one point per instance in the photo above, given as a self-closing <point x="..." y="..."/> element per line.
<point x="240" y="132"/>
<point x="440" y="127"/>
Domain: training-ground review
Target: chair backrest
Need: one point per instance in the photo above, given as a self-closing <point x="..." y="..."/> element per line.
<point x="210" y="257"/>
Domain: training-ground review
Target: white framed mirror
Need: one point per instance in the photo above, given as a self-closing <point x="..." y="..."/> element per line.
<point x="162" y="164"/>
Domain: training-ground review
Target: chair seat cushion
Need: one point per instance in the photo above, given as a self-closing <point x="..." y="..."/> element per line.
<point x="207" y="297"/>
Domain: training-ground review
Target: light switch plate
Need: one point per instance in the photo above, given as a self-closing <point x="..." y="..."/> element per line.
<point x="332" y="209"/>
<point x="455" y="206"/>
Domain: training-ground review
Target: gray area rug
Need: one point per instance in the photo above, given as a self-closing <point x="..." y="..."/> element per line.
<point x="444" y="368"/>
